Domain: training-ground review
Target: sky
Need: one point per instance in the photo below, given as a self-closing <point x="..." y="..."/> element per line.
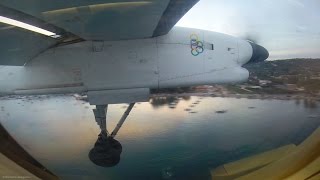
<point x="287" y="28"/>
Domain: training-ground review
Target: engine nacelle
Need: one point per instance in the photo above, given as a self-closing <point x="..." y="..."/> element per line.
<point x="225" y="76"/>
<point x="183" y="57"/>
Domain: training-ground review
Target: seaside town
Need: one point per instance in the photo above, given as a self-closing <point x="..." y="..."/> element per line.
<point x="281" y="79"/>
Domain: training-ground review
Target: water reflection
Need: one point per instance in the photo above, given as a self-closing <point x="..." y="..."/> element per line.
<point x="158" y="143"/>
<point x="310" y="103"/>
<point x="170" y="101"/>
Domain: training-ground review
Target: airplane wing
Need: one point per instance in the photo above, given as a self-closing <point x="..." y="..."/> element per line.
<point x="83" y="20"/>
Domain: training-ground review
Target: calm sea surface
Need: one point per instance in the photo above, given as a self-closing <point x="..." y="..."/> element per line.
<point x="168" y="138"/>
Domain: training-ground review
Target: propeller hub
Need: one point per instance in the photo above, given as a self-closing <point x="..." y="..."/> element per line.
<point x="259" y="53"/>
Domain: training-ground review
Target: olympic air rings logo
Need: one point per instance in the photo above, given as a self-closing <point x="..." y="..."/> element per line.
<point x="196" y="45"/>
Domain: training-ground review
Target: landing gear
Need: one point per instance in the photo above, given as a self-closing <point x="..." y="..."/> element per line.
<point x="106" y="151"/>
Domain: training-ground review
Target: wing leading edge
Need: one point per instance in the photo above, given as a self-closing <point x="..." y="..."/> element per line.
<point x="175" y="10"/>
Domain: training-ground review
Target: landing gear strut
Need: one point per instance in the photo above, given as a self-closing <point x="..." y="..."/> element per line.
<point x="106" y="151"/>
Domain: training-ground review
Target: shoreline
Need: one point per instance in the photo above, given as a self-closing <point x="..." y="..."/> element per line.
<point x="83" y="97"/>
<point x="243" y="96"/>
